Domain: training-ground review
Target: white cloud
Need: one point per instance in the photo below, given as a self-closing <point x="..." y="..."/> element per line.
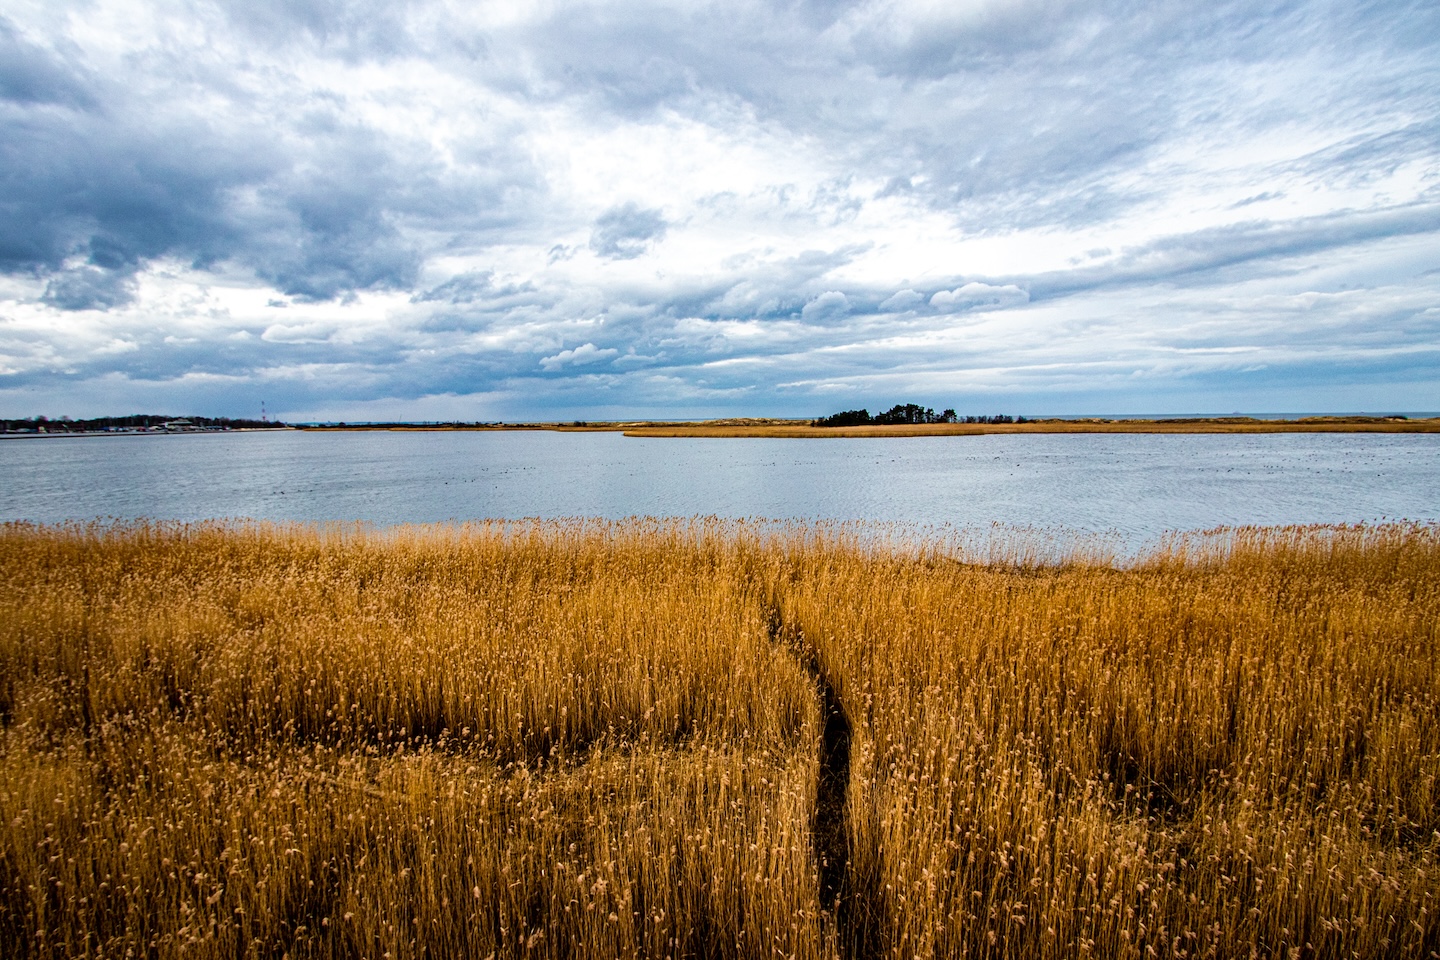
<point x="976" y="294"/>
<point x="901" y="301"/>
<point x="586" y="353"/>
<point x="830" y="305"/>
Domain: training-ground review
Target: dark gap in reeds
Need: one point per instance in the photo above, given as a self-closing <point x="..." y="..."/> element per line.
<point x="832" y="841"/>
<point x="855" y="904"/>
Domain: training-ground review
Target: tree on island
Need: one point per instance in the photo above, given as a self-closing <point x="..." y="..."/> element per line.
<point x="845" y="418"/>
<point x="900" y="413"/>
<point x="906" y="413"/>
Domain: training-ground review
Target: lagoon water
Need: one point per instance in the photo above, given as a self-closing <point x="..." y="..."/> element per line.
<point x="1133" y="487"/>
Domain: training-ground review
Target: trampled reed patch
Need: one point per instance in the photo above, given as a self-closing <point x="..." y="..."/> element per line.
<point x="579" y="739"/>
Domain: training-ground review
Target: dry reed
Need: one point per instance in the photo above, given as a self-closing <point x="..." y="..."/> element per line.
<point x="592" y="739"/>
<point x="794" y="430"/>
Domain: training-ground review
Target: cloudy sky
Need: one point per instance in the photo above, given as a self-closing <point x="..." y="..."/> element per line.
<point x="611" y="209"/>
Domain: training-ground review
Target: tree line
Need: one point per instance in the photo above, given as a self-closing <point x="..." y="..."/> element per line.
<point x="136" y="421"/>
<point x="906" y="413"/>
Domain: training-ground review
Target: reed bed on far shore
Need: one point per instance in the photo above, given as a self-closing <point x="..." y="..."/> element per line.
<point x="796" y="430"/>
<point x="706" y="738"/>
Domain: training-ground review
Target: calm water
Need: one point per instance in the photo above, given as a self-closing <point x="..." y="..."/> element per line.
<point x="1134" y="487"/>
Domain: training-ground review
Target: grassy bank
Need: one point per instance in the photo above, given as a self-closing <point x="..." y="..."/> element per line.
<point x="805" y="429"/>
<point x="802" y="430"/>
<point x="658" y="739"/>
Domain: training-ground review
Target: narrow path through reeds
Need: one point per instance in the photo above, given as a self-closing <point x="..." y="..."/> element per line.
<point x="854" y="904"/>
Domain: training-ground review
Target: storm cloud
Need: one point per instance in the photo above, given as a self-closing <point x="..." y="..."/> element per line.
<point x="653" y="209"/>
<point x="625" y="232"/>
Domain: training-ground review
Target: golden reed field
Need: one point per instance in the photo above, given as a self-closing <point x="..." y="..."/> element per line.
<point x="716" y="739"/>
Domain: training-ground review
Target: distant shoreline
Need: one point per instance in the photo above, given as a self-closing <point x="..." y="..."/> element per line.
<point x="76" y="434"/>
<point x="803" y="429"/>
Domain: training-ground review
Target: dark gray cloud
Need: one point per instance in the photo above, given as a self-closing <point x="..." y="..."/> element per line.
<point x="626" y="232"/>
<point x="30" y="74"/>
<point x="1254" y="247"/>
<point x="463" y="288"/>
<point x="315" y="203"/>
<point x="352" y="29"/>
<point x="990" y="111"/>
<point x="90" y="288"/>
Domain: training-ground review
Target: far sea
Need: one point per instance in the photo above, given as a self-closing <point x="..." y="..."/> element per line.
<point x="1131" y="488"/>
